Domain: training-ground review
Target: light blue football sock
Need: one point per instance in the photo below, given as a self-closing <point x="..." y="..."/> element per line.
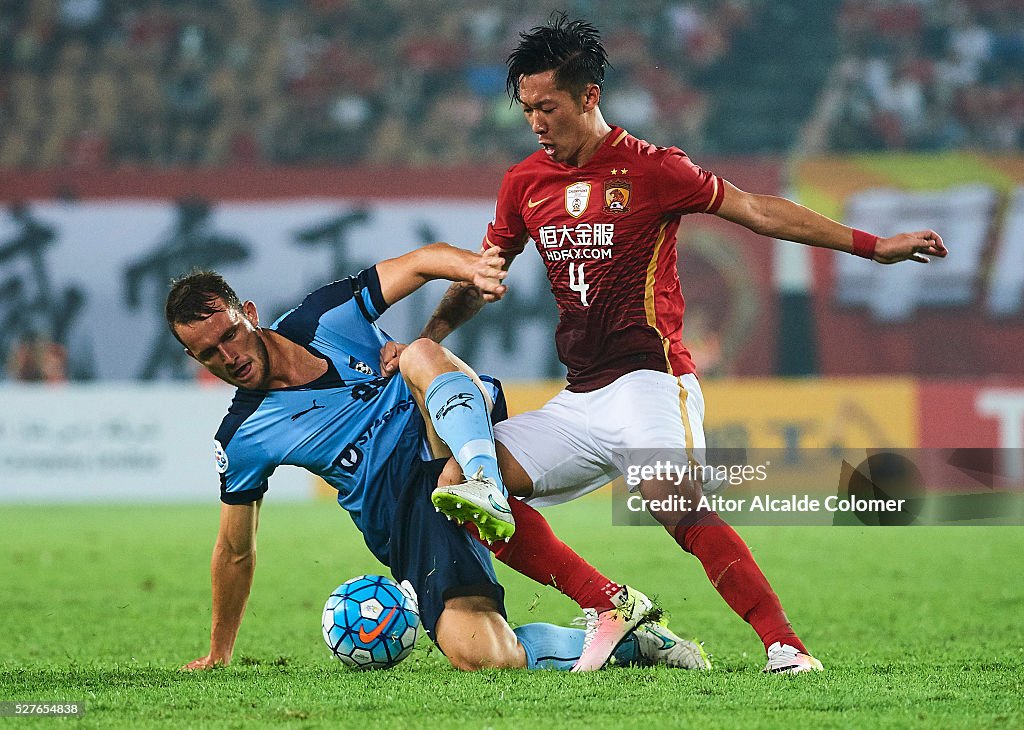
<point x="459" y="414"/>
<point x="549" y="646"/>
<point x="558" y="647"/>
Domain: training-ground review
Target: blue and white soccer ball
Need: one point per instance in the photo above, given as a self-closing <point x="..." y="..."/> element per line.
<point x="371" y="622"/>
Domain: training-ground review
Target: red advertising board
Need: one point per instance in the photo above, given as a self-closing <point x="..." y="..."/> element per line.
<point x="972" y="414"/>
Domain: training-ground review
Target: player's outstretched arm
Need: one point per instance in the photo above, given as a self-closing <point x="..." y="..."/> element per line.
<point x="231" y="570"/>
<point x="401" y="276"/>
<point x="777" y="217"/>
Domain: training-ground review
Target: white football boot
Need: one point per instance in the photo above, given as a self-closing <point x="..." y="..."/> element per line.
<point x="477" y="500"/>
<point x="785" y="659"/>
<point x="659" y="645"/>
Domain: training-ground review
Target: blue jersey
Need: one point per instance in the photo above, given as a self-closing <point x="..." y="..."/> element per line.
<point x="359" y="431"/>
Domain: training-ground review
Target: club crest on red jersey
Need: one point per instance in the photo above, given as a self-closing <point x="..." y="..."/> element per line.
<point x="577" y="197"/>
<point x="617" y="191"/>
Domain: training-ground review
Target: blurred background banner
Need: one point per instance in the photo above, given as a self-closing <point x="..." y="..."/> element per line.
<point x="965" y="315"/>
<point x="124" y="443"/>
<point x="792" y="415"/>
<point x="93" y="275"/>
<point x="85" y="261"/>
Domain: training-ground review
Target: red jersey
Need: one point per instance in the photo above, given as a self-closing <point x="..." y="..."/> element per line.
<point x="607" y="234"/>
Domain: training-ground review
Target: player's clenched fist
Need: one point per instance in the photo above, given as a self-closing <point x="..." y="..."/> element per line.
<point x="489" y="271"/>
<point x="389" y="355"/>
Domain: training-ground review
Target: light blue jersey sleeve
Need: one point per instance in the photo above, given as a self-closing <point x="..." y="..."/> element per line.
<point x="340" y="307"/>
<point x="243" y="464"/>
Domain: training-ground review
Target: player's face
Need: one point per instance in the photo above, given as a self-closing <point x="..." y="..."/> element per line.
<point x="230" y="345"/>
<point x="557" y="117"/>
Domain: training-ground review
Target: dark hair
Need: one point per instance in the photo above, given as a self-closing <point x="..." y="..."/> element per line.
<point x="572" y="48"/>
<point x="196" y="296"/>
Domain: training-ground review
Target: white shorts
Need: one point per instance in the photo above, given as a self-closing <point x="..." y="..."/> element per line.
<point x="568" y="447"/>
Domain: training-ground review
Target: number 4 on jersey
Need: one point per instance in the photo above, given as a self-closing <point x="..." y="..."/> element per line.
<point x="576" y="282"/>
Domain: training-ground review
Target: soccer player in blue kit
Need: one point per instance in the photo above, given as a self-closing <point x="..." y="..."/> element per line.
<point x="310" y="394"/>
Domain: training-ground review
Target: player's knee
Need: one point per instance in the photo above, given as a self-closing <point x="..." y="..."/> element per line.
<point x="473" y="635"/>
<point x="463" y="663"/>
<point x="487" y="653"/>
<point x="419" y="361"/>
<point x="420" y="352"/>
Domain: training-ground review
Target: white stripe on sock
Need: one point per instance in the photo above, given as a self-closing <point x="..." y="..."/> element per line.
<point x="472" y="449"/>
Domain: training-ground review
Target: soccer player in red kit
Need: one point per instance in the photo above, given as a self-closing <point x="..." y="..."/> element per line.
<point x="603" y="208"/>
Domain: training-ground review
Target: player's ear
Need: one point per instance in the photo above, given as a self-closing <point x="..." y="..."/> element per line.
<point x="249" y="310"/>
<point x="591" y="97"/>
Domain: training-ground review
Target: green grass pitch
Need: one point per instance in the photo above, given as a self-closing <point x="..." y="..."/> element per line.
<point x="916" y="627"/>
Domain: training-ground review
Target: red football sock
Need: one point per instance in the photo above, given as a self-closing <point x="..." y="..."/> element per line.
<point x="537" y="553"/>
<point x="735" y="575"/>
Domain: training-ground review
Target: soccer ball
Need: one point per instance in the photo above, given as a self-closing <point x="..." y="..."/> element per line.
<point x="371" y="622"/>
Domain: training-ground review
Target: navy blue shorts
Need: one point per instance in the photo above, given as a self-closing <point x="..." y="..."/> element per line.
<point x="438" y="557"/>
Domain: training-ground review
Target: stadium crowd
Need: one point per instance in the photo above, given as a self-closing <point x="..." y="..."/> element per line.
<point x="188" y="82"/>
<point x="932" y="75"/>
<point x="166" y="82"/>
